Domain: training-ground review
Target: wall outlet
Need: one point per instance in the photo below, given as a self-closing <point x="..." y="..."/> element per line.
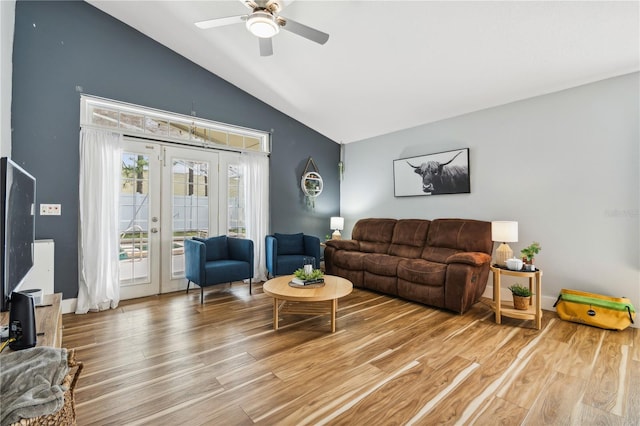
<point x="50" y="210"/>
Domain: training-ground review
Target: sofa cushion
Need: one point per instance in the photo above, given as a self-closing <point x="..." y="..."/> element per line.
<point x="420" y="271"/>
<point x="374" y="235"/>
<point x="216" y="248"/>
<point x="409" y="237"/>
<point x="381" y="264"/>
<point x="290" y="243"/>
<point x="461" y="234"/>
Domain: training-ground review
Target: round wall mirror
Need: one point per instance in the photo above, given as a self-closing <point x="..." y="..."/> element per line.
<point x="311" y="184"/>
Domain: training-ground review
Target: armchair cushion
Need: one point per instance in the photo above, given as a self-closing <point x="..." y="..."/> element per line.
<point x="217" y="248"/>
<point x="290" y="243"/>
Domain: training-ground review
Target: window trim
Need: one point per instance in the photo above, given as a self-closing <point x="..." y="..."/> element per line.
<point x="87" y="102"/>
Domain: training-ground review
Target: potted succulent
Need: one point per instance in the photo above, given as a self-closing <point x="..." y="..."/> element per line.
<point x="528" y="254"/>
<point x="521" y="296"/>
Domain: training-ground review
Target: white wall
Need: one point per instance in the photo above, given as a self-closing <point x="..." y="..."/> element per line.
<point x="564" y="165"/>
<point x="7" y="20"/>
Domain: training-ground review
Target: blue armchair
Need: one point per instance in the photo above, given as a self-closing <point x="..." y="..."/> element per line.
<point x="287" y="252"/>
<point x="217" y="260"/>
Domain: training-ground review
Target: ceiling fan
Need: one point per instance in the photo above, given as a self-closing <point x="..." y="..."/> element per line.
<point x="264" y="22"/>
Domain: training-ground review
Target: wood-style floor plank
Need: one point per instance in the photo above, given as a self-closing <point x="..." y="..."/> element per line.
<point x="555" y="404"/>
<point x="170" y="360"/>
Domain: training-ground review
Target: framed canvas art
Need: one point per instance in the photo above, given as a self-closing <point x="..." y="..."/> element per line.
<point x="432" y="174"/>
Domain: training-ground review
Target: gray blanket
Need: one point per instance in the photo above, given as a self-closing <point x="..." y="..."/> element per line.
<point x="30" y="383"/>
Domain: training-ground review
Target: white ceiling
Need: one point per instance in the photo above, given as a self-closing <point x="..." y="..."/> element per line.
<point x="398" y="64"/>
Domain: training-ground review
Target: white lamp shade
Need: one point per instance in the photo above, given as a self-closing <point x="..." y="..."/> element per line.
<point x="504" y="231"/>
<point x="337" y="223"/>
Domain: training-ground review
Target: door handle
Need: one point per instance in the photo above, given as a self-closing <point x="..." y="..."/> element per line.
<point x="154" y="230"/>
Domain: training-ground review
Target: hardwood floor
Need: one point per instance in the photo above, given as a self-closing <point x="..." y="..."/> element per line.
<point x="169" y="360"/>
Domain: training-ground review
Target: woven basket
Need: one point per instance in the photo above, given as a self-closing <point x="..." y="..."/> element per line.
<point x="67" y="414"/>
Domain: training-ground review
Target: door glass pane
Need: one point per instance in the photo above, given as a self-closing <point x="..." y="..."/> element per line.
<point x="190" y="195"/>
<point x="235" y="198"/>
<point x="134" y="219"/>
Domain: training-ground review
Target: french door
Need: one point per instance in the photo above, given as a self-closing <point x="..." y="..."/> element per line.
<point x="168" y="194"/>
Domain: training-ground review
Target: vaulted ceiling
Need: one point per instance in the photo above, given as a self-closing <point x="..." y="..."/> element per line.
<point x="390" y="65"/>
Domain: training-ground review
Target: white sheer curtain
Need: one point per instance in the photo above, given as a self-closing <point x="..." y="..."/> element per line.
<point x="255" y="174"/>
<point x="99" y="275"/>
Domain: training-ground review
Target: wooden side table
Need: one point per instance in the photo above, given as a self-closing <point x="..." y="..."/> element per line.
<point x="535" y="286"/>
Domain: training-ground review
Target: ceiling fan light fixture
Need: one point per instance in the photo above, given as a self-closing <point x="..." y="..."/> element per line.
<point x="262" y="24"/>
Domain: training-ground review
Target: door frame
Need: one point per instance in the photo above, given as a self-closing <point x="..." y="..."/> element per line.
<point x="151" y="286"/>
<point x="169" y="283"/>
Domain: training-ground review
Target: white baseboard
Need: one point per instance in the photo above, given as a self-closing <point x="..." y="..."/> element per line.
<point x="69" y="305"/>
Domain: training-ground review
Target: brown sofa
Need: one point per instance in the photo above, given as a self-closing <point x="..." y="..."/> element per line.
<point x="442" y="262"/>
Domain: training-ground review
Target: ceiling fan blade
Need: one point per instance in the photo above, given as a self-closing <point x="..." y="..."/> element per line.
<point x="304" y="31"/>
<point x="250" y="4"/>
<point x="220" y="22"/>
<point x="266" y="46"/>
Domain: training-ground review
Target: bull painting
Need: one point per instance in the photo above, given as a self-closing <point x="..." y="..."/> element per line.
<point x="441" y="173"/>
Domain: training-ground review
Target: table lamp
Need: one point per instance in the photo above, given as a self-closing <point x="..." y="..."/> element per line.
<point x="504" y="232"/>
<point x="337" y="224"/>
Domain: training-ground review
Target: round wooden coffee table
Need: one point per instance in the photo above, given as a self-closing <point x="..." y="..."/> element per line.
<point x="294" y="300"/>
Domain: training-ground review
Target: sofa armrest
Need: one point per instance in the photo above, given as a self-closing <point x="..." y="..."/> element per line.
<point x="473" y="258"/>
<point x="343" y="244"/>
<point x="241" y="249"/>
<point x="195" y="255"/>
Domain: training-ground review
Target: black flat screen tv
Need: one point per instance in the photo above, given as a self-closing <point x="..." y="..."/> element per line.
<point x="17" y="234"/>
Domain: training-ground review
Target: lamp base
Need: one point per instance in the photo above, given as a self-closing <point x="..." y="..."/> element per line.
<point x="503" y="253"/>
<point x="336" y="235"/>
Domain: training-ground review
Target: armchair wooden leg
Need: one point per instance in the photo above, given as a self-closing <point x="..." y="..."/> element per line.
<point x="188" y="283"/>
<point x="249" y="285"/>
<point x="202" y="295"/>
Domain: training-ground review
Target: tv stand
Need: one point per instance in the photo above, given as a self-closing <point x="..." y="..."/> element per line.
<point x="48" y="321"/>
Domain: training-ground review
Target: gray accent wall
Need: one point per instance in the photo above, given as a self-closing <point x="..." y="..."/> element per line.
<point x="63" y="48"/>
<point x="564" y="165"/>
